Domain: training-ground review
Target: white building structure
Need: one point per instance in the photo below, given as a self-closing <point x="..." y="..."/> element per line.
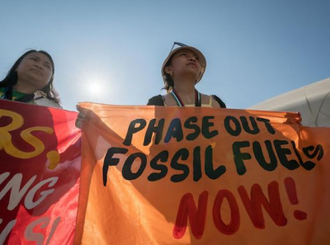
<point x="312" y="101"/>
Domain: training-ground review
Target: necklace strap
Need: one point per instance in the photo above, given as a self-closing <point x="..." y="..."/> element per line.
<point x="179" y="101"/>
<point x="198" y="99"/>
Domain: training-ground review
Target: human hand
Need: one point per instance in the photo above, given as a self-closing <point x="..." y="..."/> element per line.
<point x="81" y="116"/>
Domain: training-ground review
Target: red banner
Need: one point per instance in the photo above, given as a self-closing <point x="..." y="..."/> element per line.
<point x="39" y="174"/>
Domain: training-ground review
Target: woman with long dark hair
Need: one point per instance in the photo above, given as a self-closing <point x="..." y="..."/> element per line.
<point x="30" y="80"/>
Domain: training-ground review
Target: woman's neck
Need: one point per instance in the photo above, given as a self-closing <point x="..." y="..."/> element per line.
<point x="24" y="88"/>
<point x="184" y="88"/>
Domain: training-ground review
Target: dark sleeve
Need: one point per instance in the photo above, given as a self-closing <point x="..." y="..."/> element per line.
<point x="156" y="100"/>
<point x="221" y="103"/>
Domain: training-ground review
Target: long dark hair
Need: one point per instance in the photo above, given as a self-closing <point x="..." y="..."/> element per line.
<point x="11" y="79"/>
<point x="168" y="82"/>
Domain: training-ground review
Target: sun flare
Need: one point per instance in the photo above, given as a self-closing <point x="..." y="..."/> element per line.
<point x="95" y="87"/>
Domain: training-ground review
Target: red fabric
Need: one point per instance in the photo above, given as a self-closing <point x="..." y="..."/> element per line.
<point x="40" y="150"/>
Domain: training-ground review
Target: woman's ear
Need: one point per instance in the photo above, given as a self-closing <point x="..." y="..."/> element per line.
<point x="168" y="70"/>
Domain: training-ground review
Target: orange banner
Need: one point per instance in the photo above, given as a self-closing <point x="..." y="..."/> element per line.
<point x="167" y="175"/>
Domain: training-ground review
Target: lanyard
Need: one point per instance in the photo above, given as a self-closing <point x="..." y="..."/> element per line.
<point x="180" y="103"/>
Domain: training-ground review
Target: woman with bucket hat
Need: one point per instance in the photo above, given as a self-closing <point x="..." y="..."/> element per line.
<point x="183" y="68"/>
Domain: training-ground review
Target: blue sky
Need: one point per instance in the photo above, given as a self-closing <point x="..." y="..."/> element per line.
<point x="111" y="51"/>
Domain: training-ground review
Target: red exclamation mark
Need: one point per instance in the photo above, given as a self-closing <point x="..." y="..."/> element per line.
<point x="290" y="187"/>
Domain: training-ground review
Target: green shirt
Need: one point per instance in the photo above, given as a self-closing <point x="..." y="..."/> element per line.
<point x="40" y="100"/>
<point x="16" y="95"/>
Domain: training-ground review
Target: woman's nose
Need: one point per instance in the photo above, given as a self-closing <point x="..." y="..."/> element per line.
<point x="38" y="65"/>
<point x="192" y="58"/>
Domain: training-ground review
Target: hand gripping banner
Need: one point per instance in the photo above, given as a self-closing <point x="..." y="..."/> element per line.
<point x="167" y="175"/>
<point x="39" y="174"/>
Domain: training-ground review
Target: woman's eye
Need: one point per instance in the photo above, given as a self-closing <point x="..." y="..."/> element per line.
<point x="35" y="59"/>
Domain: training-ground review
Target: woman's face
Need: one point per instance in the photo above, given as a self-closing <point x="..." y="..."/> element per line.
<point x="35" y="69"/>
<point x="184" y="63"/>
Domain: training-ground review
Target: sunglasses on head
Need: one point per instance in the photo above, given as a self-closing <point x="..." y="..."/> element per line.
<point x="178" y="44"/>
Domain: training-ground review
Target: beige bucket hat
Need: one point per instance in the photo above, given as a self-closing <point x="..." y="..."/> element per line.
<point x="173" y="51"/>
